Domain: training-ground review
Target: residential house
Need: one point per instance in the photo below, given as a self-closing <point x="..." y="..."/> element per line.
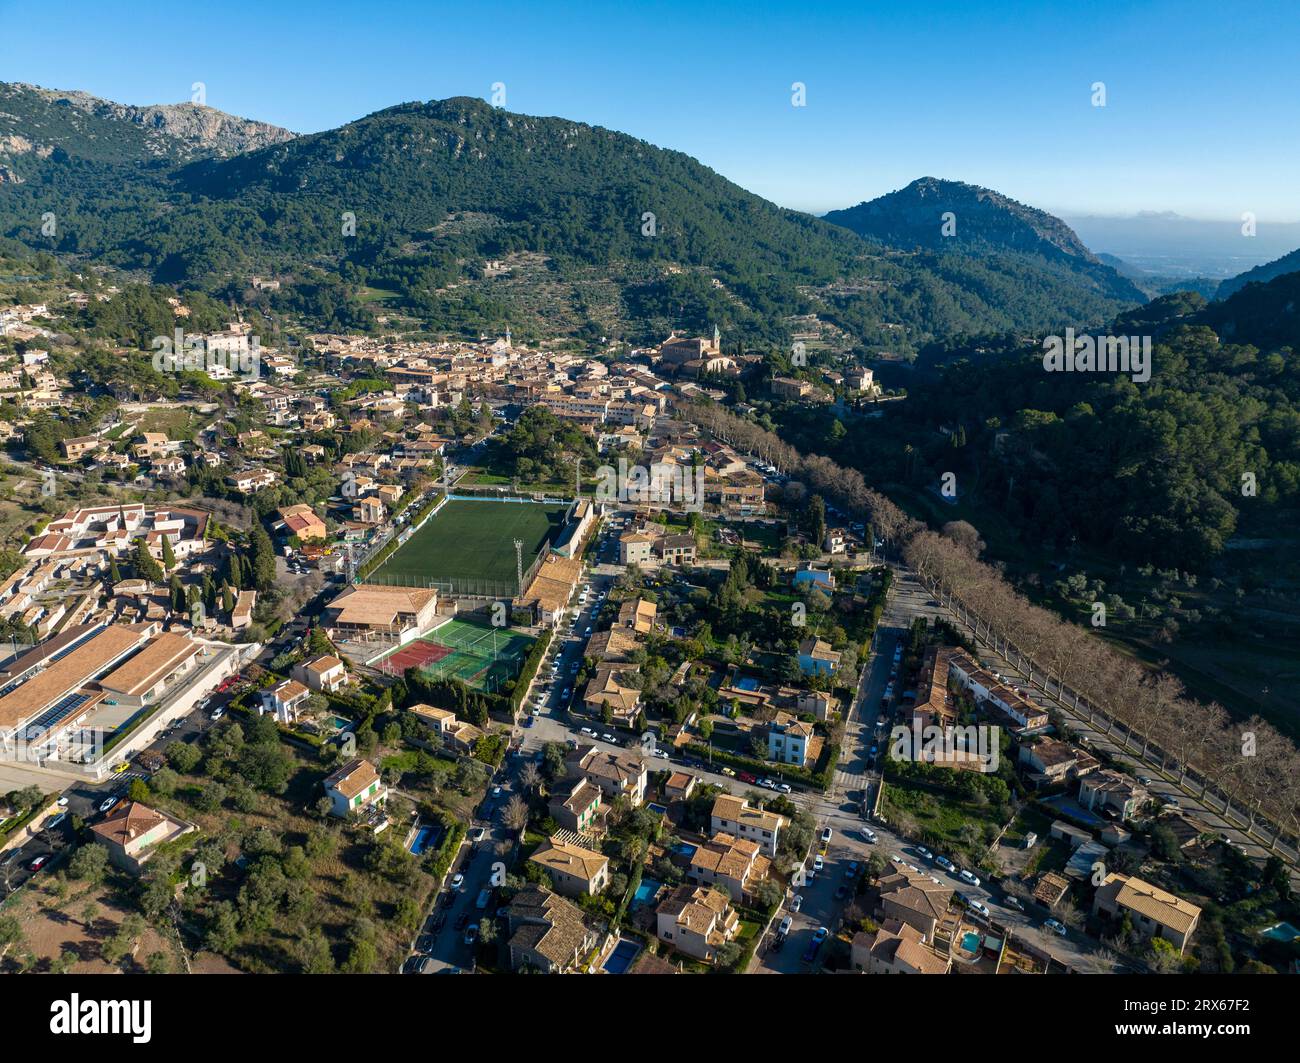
<point x="133" y="832"/>
<point x="816" y="657"/>
<point x="896" y="948"/>
<point x="354" y="787"/>
<point x="696" y="920"/>
<point x="1151" y="911"/>
<point x="915" y="899"/>
<point x="575" y="807"/>
<point x="617" y="774"/>
<point x="325" y="673"/>
<point x="734" y="816"/>
<point x="574" y="871"/>
<point x="546" y="933"/>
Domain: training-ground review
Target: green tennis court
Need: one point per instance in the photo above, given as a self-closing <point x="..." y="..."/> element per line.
<point x="477" y="654"/>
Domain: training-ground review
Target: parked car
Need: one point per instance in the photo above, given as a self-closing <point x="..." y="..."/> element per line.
<point x="819" y="862"/>
<point x="746" y="777"/>
<point x="608" y="738"/>
<point x="477" y="834"/>
<point x="868" y="836"/>
<point x="785" y="788"/>
<point x="967" y="876"/>
<point x="784" y="929"/>
<point x="108" y="803"/>
<point x="729" y="772"/>
<point x="38" y="863"/>
<point x="471" y="934"/>
<point x="924" y="853"/>
<point x="945" y="863"/>
<point x="827" y="834"/>
<point x="457" y="882"/>
<point x="217" y="713"/>
<point x="1055" y="926"/>
<point x="981" y="908"/>
<point x="796" y="902"/>
<point x="588" y="731"/>
<point x="1014" y="902"/>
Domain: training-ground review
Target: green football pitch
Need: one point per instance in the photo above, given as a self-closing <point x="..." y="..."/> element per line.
<point x="470" y="545"/>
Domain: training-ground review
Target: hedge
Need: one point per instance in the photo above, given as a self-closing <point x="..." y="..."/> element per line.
<point x="531" y="663"/>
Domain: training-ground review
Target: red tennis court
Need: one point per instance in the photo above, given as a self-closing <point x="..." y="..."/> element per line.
<point x="415" y="655"/>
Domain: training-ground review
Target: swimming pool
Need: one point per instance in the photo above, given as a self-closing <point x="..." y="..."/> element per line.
<point x="338" y="722"/>
<point x="1281" y="932"/>
<point x="646" y="891"/>
<point x="618" y="961"/>
<point x="747" y="683"/>
<point x="685" y="849"/>
<point x="661" y="809"/>
<point x="425" y="838"/>
<point x="971" y="942"/>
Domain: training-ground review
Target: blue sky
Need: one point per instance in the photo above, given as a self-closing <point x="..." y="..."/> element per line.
<point x="1200" y="115"/>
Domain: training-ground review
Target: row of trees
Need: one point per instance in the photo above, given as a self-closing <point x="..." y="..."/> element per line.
<point x="1249" y="763"/>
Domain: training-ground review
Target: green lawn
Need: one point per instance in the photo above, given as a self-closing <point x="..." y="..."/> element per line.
<point x="470" y="541"/>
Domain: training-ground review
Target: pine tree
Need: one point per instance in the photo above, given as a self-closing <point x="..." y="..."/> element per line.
<point x="168" y="554"/>
<point x="262" y="559"/>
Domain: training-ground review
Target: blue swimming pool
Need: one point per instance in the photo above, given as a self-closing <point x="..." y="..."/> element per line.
<point x="971" y="942"/>
<point x="425" y="838"/>
<point x="685" y="849"/>
<point x="621" y="958"/>
<point x="661" y="809"/>
<point x="747" y="683"/>
<point x="646" y="891"/>
<point x="1281" y="932"/>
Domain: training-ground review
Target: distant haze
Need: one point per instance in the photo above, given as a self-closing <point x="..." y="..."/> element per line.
<point x="1168" y="245"/>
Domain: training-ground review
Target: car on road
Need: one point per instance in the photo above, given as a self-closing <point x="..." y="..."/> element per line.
<point x="785" y="788"/>
<point x="1014" y="902"/>
<point x="827" y="834"/>
<point x="980" y="907"/>
<point x="471" y="933"/>
<point x="496" y="793"/>
<point x="819" y="862"/>
<point x="457" y="882"/>
<point x="1170" y="802"/>
<point x="729" y="772"/>
<point x="924" y="853"/>
<point x="868" y="836"/>
<point x="784" y="929"/>
<point x="1145" y="780"/>
<point x="108" y="803"/>
<point x="119" y="768"/>
<point x="63" y="802"/>
<point x="851" y="869"/>
<point x="821" y="934"/>
<point x="587" y="731"/>
<point x="424" y="943"/>
<point x="608" y="738"/>
<point x="1055" y="926"/>
<point x="767" y="784"/>
<point x="945" y="863"/>
<point x="796" y="902"/>
<point x="968" y="876"/>
<point x="477" y="834"/>
<point x="38" y="863"/>
<point x="663" y="754"/>
<point x="746" y="777"/>
<point x="54" y="821"/>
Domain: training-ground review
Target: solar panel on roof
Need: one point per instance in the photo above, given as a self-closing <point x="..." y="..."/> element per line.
<point x="55" y="714"/>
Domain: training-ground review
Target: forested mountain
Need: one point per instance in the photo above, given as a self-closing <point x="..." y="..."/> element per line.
<point x="1289" y="263"/>
<point x="958" y="229"/>
<point x="438" y="189"/>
